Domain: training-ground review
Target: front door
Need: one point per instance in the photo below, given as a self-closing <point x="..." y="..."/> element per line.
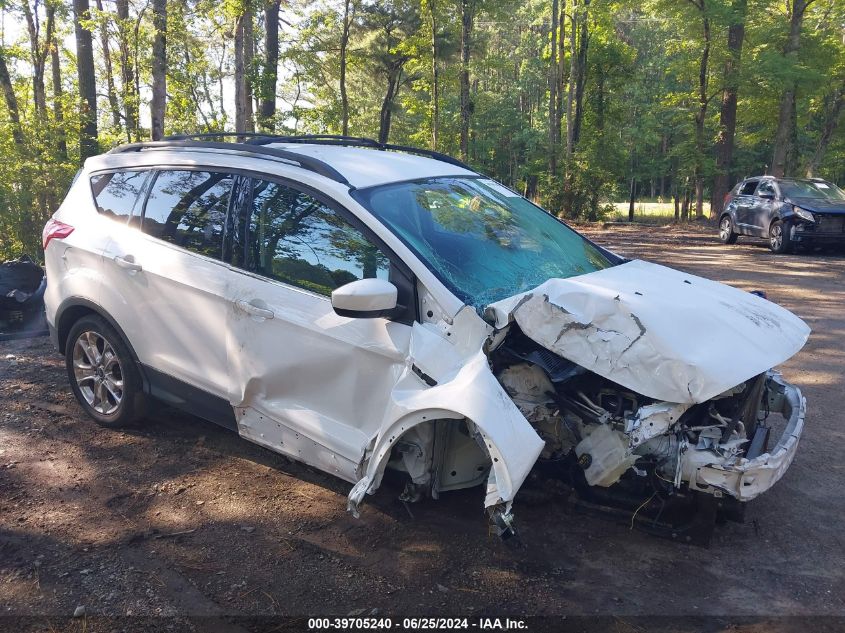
<point x="744" y="205"/>
<point x="763" y="209"/>
<point x="305" y="381"/>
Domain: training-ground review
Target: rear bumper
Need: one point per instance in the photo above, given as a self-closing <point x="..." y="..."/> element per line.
<point x="747" y="478"/>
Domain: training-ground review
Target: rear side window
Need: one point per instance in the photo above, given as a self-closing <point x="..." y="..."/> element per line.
<point x="294" y="238"/>
<point x="188" y="209"/>
<point x="116" y="194"/>
<point x="748" y="188"/>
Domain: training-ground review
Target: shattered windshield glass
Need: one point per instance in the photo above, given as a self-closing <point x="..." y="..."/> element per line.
<point x="482" y="240"/>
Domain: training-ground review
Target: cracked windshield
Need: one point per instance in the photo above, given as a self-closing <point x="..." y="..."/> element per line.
<point x="482" y="240"/>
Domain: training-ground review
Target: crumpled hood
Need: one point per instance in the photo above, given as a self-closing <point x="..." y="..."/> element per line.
<point x="819" y="206"/>
<point x="656" y="331"/>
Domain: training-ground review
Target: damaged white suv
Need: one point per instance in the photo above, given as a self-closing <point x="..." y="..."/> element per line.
<point x="359" y="306"/>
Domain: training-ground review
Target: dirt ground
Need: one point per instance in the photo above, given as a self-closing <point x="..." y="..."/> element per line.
<point x="180" y="518"/>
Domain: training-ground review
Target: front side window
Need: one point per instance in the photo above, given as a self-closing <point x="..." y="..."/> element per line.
<point x="294" y="238"/>
<point x="188" y="209"/>
<point x="116" y="194"/>
<point x="480" y="239"/>
<point x="766" y="187"/>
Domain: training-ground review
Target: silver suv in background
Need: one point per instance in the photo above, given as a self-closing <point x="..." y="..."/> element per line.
<point x="360" y="306"/>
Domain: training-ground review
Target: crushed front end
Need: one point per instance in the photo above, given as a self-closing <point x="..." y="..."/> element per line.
<point x="680" y="465"/>
<point x="653" y="392"/>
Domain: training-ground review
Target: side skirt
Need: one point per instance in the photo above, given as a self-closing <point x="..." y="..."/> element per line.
<point x="180" y="395"/>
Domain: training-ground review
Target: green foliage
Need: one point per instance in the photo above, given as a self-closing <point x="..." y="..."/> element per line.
<point x="639" y="105"/>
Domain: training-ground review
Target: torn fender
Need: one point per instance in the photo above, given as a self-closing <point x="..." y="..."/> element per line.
<point x="659" y="332"/>
<point x="464" y="387"/>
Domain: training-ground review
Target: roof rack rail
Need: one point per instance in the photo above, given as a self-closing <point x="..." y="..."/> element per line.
<point x="260" y="138"/>
<point x="185" y="142"/>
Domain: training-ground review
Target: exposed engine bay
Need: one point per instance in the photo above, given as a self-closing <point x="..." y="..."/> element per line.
<point x="616" y="447"/>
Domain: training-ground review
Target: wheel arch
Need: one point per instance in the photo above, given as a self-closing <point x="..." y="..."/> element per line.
<point x="73" y="309"/>
<point x="372" y="470"/>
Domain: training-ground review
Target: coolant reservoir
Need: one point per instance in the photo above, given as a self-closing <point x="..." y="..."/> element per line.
<point x="603" y="455"/>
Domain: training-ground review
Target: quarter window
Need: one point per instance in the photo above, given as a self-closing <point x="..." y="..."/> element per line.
<point x="116" y="194"/>
<point x="188" y="209"/>
<point x="294" y="238"/>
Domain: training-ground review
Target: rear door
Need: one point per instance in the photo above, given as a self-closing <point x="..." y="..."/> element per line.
<point x="745" y="204"/>
<point x="305" y="381"/>
<point x="167" y="283"/>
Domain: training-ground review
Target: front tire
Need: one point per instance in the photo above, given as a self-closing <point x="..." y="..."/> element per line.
<point x="779" y="240"/>
<point x="103" y="375"/>
<point x="726" y="230"/>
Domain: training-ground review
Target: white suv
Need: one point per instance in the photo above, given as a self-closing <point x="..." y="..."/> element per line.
<point x="359" y="306"/>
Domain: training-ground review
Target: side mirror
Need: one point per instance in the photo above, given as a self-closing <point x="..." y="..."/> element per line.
<point x="365" y="299"/>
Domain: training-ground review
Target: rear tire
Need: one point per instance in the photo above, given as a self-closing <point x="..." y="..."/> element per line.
<point x="727" y="235"/>
<point x="102" y="373"/>
<point x="779" y="241"/>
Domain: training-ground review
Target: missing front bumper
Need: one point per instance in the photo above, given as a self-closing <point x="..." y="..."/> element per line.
<point x="747" y="478"/>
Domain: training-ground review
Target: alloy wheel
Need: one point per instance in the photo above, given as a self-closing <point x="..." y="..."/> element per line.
<point x="725" y="228"/>
<point x="98" y="372"/>
<point x="776" y="237"/>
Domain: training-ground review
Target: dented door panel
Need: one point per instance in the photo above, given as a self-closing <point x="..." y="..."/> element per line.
<point x="327" y="378"/>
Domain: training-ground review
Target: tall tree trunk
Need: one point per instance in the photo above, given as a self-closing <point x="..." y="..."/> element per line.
<point x="243" y="63"/>
<point x="553" y="85"/>
<point x="88" y="145"/>
<point x="833" y="113"/>
<point x="701" y="113"/>
<point x="727" y="116"/>
<point x="127" y="75"/>
<point x="38" y="54"/>
<point x="783" y="155"/>
<point x="344" y="46"/>
<point x="573" y="76"/>
<point x="11" y="101"/>
<point x="583" y="40"/>
<point x="393" y="81"/>
<point x="561" y="70"/>
<point x="240" y="81"/>
<point x="58" y="94"/>
<point x="249" y="60"/>
<point x="435" y="76"/>
<point x="159" y="101"/>
<point x="110" y="89"/>
<point x="467" y="9"/>
<point x="578" y="40"/>
<point x="271" y="65"/>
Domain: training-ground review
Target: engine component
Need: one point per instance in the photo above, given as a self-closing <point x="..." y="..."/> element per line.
<point x="603" y="453"/>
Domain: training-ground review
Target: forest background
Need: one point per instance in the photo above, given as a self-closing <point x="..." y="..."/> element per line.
<point x="578" y="105"/>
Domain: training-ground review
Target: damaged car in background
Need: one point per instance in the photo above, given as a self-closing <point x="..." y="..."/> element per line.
<point x="362" y="307"/>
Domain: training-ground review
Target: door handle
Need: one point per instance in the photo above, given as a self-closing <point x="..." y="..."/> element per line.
<point x="127" y="262"/>
<point x="254" y="310"/>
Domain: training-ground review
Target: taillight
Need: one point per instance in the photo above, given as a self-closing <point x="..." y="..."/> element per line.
<point x="54" y="228"/>
<point x="727" y="198"/>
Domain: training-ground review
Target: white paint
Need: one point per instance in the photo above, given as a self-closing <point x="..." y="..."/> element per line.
<point x="365" y="295"/>
<point x="364" y="167"/>
<point x="659" y="332"/>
